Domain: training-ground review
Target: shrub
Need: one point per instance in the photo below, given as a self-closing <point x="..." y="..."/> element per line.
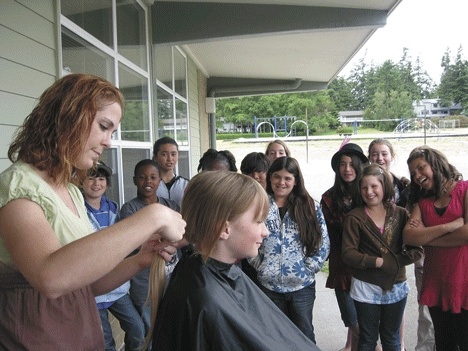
<point x="344" y="130"/>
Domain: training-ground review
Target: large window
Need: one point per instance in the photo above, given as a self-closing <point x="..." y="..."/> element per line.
<point x="80" y="56"/>
<point x="180" y="73"/>
<point x="94" y="17"/>
<point x="181" y="121"/>
<point x="170" y="67"/>
<point x="109" y="38"/>
<point x="165" y="111"/>
<point x="135" y="125"/>
<point x="131" y="29"/>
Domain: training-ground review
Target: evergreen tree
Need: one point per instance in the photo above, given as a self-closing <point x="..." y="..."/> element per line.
<point x="384" y="92"/>
<point x="415" y="81"/>
<point x="340" y="91"/>
<point x="360" y="79"/>
<point x="454" y="80"/>
<point x="427" y="89"/>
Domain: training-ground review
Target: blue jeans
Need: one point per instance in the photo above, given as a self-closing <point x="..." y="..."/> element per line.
<point x="130" y="322"/>
<point x="145" y="314"/>
<point x="298" y="306"/>
<point x="384" y="319"/>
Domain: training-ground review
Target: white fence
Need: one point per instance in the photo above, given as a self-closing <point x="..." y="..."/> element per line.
<point x="449" y="123"/>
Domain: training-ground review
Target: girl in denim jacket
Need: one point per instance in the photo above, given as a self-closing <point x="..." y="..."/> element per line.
<point x="297" y="246"/>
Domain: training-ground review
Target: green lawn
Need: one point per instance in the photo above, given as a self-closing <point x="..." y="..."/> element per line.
<point x="325" y="268"/>
<point x="232" y="136"/>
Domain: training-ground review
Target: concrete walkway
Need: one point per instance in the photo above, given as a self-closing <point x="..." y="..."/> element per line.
<point x="330" y="331"/>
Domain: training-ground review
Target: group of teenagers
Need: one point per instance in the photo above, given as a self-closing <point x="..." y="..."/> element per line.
<point x="225" y="260"/>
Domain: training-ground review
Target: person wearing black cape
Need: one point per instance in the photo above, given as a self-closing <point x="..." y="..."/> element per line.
<point x="210" y="304"/>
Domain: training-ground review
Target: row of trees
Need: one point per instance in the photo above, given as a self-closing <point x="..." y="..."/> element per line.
<point x="383" y="92"/>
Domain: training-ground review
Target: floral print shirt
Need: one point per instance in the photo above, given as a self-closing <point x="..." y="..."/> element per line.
<point x="281" y="264"/>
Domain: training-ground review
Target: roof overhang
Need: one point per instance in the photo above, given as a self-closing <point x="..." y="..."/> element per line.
<point x="263" y="47"/>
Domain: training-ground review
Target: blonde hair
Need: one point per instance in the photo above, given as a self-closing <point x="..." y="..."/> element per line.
<point x="157" y="282"/>
<point x="210" y="199"/>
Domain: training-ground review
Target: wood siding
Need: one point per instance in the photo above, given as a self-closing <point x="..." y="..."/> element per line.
<point x="28" y="62"/>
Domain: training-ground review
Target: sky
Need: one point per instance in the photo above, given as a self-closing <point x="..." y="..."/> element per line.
<point x="426" y="27"/>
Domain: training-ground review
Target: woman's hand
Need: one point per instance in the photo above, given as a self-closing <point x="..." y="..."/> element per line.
<point x="166" y="249"/>
<point x="173" y="227"/>
<point x="454" y="225"/>
<point x="457" y="235"/>
<point x="168" y="252"/>
<point x="416" y="223"/>
<point x="416" y="233"/>
<point x="405" y="181"/>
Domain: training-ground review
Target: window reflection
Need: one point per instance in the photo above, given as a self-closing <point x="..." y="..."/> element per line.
<point x="181" y="122"/>
<point x="180" y="74"/>
<point x="163" y="64"/>
<point x="165" y="107"/>
<point x="95" y="17"/>
<point x="79" y="56"/>
<point x="170" y="67"/>
<point x="131" y="32"/>
<point x="135" y="122"/>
